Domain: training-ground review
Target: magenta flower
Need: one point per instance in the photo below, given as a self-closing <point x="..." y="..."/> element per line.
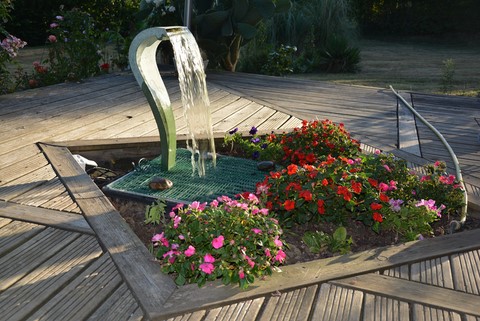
<point x="264" y="211"/>
<point x="267" y="252"/>
<point x="277" y="242"/>
<point x="198" y="206"/>
<point x="241" y="274"/>
<point x="208" y="258"/>
<point x="157" y="237"/>
<point x="218" y="242"/>
<point x="207" y="268"/>
<point x="176" y="221"/>
<point x="387" y="168"/>
<point x="280" y="257"/>
<point x="214" y="203"/>
<point x="383" y="187"/>
<point x="52" y="38"/>
<point x="256" y="230"/>
<point x="190" y="251"/>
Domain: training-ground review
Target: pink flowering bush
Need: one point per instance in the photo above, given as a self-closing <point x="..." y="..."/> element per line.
<point x="234" y="240"/>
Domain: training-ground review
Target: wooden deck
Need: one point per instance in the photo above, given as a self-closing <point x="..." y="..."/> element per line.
<point x="66" y="254"/>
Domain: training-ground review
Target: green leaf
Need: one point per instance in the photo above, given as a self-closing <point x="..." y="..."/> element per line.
<point x="246" y="30"/>
<point x="240" y="8"/>
<point x="340" y="234"/>
<point x="180" y="280"/>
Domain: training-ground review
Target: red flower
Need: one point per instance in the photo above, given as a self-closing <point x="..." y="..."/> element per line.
<point x="384" y="198"/>
<point x="377" y="217"/>
<point x="356" y="187"/>
<point x="275" y="175"/>
<point x="289" y="205"/>
<point x="376" y="206"/>
<point x="310" y="158"/>
<point x="294" y="185"/>
<point x="342" y="190"/>
<point x="105" y="66"/>
<point x="321" y="206"/>
<point x="373" y="182"/>
<point x="324" y="182"/>
<point x="306" y="195"/>
<point x="292" y="169"/>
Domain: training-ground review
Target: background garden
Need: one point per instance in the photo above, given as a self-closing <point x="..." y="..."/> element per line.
<point x="417" y="45"/>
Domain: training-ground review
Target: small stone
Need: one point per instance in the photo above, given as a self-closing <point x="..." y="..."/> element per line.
<point x="160" y="183"/>
<point x="266" y="166"/>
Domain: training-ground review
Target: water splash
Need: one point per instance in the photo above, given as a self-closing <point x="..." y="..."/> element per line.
<point x="196" y="105"/>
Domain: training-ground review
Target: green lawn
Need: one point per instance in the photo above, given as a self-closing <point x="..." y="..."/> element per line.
<point x="415" y="65"/>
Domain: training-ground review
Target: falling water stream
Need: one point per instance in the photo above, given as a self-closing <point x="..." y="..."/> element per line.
<point x="196" y="105"/>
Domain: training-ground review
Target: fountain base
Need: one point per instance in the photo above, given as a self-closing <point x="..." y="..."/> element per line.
<point x="231" y="176"/>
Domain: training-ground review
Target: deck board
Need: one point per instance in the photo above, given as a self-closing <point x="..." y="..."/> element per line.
<point x="337" y="303"/>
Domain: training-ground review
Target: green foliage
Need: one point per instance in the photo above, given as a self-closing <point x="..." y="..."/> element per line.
<point x="234" y="240"/>
<point x="448" y="71"/>
<point x="319" y="241"/>
<point x="258" y="147"/>
<point x="338" y="56"/>
<point x="31" y="19"/>
<point x="155" y="13"/>
<point x="280" y="62"/>
<point x="154" y="212"/>
<point x="76" y="50"/>
<point x="223" y="27"/>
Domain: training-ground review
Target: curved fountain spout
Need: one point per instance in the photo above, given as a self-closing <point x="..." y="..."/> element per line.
<point x="191" y="75"/>
<point x="142" y="58"/>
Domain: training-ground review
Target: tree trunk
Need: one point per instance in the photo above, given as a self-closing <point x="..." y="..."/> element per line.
<point x="233" y="54"/>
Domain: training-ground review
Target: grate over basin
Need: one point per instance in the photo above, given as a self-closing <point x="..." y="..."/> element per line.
<point x="230" y="177"/>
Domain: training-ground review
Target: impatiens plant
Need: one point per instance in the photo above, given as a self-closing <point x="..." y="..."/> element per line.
<point x="235" y="240"/>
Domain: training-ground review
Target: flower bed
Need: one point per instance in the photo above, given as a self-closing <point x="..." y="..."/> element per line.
<point x="327" y="191"/>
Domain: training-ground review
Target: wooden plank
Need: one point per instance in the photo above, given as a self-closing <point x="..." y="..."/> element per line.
<point x="471" y="318"/>
<point x="25" y="183"/>
<point x="425" y="313"/>
<point x="194" y="316"/>
<point x="149" y="285"/>
<point x="38" y="286"/>
<point x="14" y="233"/>
<point x="10" y="157"/>
<point x="41" y="194"/>
<point x="292" y="305"/>
<point x="119" y="306"/>
<point x="337" y="303"/>
<point x="62" y="220"/>
<point x="380" y="308"/>
<point x="435" y="272"/>
<point x="401" y="272"/>
<point x="28" y="256"/>
<point x="22" y="167"/>
<point x="414" y="292"/>
<point x="465" y="270"/>
<point x="62" y="202"/>
<point x="84" y="294"/>
<point x="241" y="311"/>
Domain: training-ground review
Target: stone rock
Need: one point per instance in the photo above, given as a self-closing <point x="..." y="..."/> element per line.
<point x="266" y="166"/>
<point x="160" y="183"/>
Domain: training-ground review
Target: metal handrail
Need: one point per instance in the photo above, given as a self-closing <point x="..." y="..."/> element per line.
<point x="458" y="172"/>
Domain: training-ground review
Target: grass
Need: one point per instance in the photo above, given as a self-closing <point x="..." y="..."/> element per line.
<point x="414" y="65"/>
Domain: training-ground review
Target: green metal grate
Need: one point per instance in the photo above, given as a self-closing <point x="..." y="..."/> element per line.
<point x="231" y="176"/>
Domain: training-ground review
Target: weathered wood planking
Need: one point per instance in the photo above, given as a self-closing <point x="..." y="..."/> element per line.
<point x="337" y="303"/>
<point x="26" y="183"/>
<point x="150" y="286"/>
<point x="425" y="313"/>
<point x="22" y="167"/>
<point x="121" y="305"/>
<point x="380" y="308"/>
<point x="83" y="295"/>
<point x="241" y="311"/>
<point x="466" y="271"/>
<point x="25" y="258"/>
<point x="435" y="272"/>
<point x="38" y="286"/>
<point x="292" y="305"/>
<point x="414" y="292"/>
<point x="53" y="218"/>
<point x="14" y="233"/>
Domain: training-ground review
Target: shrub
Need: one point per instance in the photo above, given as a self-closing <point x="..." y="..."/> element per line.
<point x="235" y="240"/>
<point x="337" y="56"/>
<point x="280" y="62"/>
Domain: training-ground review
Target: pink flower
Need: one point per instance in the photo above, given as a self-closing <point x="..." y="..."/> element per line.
<point x="176" y="221"/>
<point x="198" y="206"/>
<point x="218" y="242"/>
<point x="377" y="152"/>
<point x="383" y="187"/>
<point x="437" y="163"/>
<point x="53" y="25"/>
<point x="157" y="237"/>
<point x="267" y="253"/>
<point x="393" y="185"/>
<point x="253" y="198"/>
<point x="214" y="203"/>
<point x="249" y="261"/>
<point x="241" y="274"/>
<point x="264" y="211"/>
<point x="280" y="257"/>
<point x="207" y="268"/>
<point x="190" y="251"/>
<point x="181" y="237"/>
<point x="387" y="168"/>
<point x="52" y="38"/>
<point x="277" y="242"/>
<point x="208" y="258"/>
<point x="256" y="230"/>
